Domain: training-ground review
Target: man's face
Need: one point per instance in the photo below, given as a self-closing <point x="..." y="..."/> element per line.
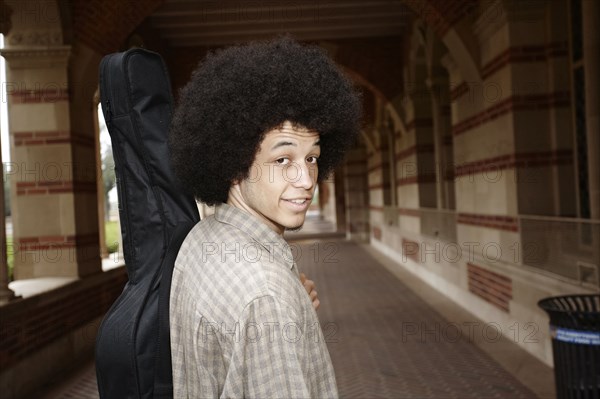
<point x="282" y="179"/>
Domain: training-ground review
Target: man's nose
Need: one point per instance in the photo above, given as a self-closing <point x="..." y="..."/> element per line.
<point x="302" y="175"/>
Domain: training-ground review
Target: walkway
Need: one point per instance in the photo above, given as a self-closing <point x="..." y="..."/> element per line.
<point x="387" y="341"/>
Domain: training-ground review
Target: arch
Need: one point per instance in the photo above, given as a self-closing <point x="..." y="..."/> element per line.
<point x="372" y="59"/>
<point x="417" y="63"/>
<point x="448" y="21"/>
<point x="104" y="26"/>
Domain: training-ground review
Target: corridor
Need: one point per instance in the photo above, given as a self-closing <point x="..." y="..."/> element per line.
<point x="387" y="340"/>
<point x="472" y="192"/>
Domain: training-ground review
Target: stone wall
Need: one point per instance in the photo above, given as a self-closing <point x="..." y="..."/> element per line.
<point x="46" y="334"/>
<point x="484" y="202"/>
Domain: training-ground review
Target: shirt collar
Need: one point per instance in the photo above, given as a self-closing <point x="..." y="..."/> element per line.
<point x="260" y="232"/>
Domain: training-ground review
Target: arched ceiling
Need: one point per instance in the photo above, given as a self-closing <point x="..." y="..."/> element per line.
<point x="184" y="23"/>
<point x="368" y="37"/>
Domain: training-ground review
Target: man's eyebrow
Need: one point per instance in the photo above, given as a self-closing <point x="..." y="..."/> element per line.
<point x="282" y="144"/>
<point x="286" y="143"/>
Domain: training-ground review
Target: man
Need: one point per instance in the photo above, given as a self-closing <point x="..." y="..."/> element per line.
<point x="258" y="126"/>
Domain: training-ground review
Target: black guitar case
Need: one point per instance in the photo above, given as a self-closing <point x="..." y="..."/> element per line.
<point x="133" y="356"/>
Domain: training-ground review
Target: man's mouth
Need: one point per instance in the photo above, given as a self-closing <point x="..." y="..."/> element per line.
<point x="298" y="201"/>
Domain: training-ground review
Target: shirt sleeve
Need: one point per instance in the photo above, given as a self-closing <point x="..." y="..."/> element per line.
<point x="269" y="357"/>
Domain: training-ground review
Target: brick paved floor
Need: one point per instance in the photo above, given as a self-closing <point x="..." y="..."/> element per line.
<point x="79" y="385"/>
<point x="385" y="342"/>
<point x="381" y="336"/>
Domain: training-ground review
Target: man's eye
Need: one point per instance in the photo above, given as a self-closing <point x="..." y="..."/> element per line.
<point x="312" y="160"/>
<point x="282" y="161"/>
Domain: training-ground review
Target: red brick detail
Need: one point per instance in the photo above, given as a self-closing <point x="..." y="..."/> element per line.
<point x="378" y="186"/>
<point x="378" y="166"/>
<point x="512" y="104"/>
<point x="55" y="187"/>
<point x="498" y="222"/>
<point x="53" y="137"/>
<point x="39" y="96"/>
<point x="83" y="139"/>
<point x="25" y="184"/>
<point x="517" y="54"/>
<point x="459" y="91"/>
<point x="32" y="243"/>
<point x="491" y="287"/>
<point x="521" y="160"/>
<point x="377" y="233"/>
<point x="55" y="242"/>
<point x="409" y="212"/>
<point x="411" y="249"/>
<point x="25" y="135"/>
<point x="47" y="134"/>
<point x="32" y="323"/>
<point x="33" y="191"/>
<point x="415" y="149"/>
<point x="376" y="208"/>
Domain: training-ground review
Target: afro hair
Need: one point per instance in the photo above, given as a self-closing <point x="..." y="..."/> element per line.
<point x="238" y="94"/>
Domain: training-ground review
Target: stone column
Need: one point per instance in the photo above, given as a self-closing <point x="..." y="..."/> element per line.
<point x="357" y="195"/>
<point x="339" y="197"/>
<point x="591" y="66"/>
<point x="47" y="239"/>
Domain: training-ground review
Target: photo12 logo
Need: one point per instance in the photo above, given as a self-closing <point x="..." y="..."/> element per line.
<point x="451" y="332"/>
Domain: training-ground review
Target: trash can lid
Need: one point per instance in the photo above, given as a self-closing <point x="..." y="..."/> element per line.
<point x="580" y="312"/>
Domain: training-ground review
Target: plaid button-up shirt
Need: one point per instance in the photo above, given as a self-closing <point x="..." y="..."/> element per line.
<point x="241" y="322"/>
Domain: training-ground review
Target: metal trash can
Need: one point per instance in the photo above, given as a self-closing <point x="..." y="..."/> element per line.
<point x="575" y="331"/>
